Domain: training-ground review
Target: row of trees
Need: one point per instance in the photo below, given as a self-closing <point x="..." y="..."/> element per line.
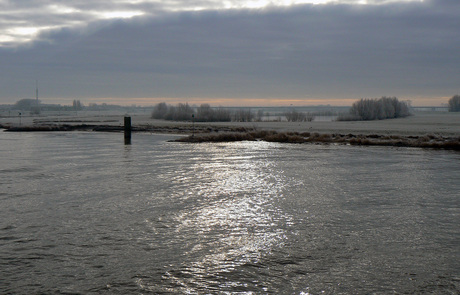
<point x="77" y="105"/>
<point x="183" y="112"/>
<point x="454" y="103"/>
<point x="295" y="116"/>
<point x="28" y="105"/>
<point x="34" y="106"/>
<point x="379" y="109"/>
<point x="205" y="113"/>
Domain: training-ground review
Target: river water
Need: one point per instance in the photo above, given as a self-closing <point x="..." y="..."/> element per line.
<point x="82" y="213"/>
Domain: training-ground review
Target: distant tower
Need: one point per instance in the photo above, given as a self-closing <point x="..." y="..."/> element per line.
<point x="36" y="91"/>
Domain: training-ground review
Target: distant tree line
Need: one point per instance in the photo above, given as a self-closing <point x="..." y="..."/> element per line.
<point x="181" y="112"/>
<point x="35" y="106"/>
<point x="184" y="112"/>
<point x="206" y="113"/>
<point x="295" y="116"/>
<point x="77" y="105"/>
<point x="378" y="109"/>
<point x="28" y="105"/>
<point x="454" y="103"/>
<point x="243" y="115"/>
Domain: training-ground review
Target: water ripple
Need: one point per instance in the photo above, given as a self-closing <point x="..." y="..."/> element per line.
<point x="82" y="213"/>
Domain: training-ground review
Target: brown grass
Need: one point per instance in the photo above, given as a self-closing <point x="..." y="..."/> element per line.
<point x="428" y="141"/>
<point x="230" y="134"/>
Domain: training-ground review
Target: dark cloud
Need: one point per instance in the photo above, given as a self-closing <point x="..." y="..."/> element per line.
<point x="305" y="51"/>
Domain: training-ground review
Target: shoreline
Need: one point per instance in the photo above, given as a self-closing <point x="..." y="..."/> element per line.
<point x="431" y="141"/>
<point x="425" y="130"/>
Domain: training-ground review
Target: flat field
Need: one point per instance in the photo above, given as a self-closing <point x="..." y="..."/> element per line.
<point x="421" y="123"/>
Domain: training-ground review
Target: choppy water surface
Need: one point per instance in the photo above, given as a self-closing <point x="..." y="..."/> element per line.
<point x="83" y="213"/>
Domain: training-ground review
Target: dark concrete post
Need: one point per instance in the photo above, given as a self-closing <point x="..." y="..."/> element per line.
<point x="127" y="130"/>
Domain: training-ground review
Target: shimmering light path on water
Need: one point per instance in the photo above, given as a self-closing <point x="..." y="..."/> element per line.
<point x="83" y="213"/>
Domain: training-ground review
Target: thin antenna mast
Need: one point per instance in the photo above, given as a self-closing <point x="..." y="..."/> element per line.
<point x="36" y="90"/>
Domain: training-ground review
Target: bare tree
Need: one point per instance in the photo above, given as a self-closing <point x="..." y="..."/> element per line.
<point x="160" y="110"/>
<point x="378" y="109"/>
<point x="205" y="113"/>
<point x="243" y="115"/>
<point x="295" y="116"/>
<point x="454" y="103"/>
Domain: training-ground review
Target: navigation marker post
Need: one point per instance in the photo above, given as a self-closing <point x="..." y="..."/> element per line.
<point x="193" y="125"/>
<point x="128" y="130"/>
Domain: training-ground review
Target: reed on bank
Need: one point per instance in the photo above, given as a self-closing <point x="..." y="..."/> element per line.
<point x="427" y="141"/>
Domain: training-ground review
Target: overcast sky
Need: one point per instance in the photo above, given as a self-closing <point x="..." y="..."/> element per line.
<point x="229" y="52"/>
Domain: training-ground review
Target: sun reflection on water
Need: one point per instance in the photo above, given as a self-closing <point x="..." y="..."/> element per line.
<point x="230" y="220"/>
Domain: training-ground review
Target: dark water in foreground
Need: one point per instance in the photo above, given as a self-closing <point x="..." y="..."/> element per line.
<point x="82" y="213"/>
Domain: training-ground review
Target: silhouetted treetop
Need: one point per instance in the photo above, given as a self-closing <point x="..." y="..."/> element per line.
<point x="454" y="103"/>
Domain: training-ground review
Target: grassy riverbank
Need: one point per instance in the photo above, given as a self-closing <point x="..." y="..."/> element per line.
<point x="427" y="141"/>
